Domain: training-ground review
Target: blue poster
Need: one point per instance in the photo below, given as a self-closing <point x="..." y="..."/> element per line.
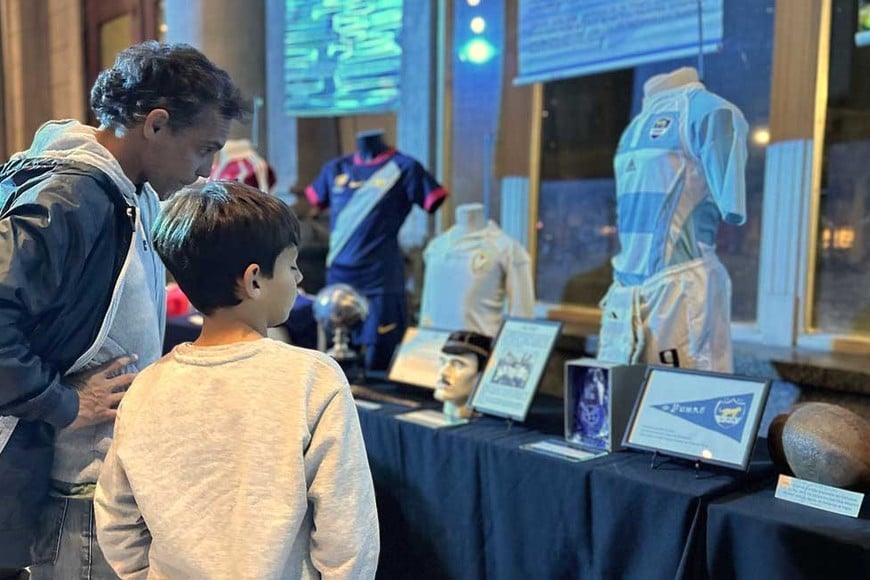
<point x="567" y="38"/>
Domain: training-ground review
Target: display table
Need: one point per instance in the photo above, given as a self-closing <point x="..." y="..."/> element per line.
<point x="759" y="536"/>
<point x="467" y="502"/>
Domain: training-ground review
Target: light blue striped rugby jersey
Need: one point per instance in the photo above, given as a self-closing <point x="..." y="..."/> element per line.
<point x="679" y="170"/>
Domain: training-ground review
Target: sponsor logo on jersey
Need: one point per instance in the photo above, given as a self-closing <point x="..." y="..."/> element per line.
<point x="339" y="182"/>
<point x="385" y="328"/>
<point x="660" y="127"/>
<point x="481" y="261"/>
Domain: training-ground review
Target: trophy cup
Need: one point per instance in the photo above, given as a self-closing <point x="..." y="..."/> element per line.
<point x="338" y="309"/>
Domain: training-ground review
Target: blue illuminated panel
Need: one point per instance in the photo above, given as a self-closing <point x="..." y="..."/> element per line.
<point x="567" y="38"/>
<point x="342" y="57"/>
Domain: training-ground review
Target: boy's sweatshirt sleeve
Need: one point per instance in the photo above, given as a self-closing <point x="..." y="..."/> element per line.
<point x="121" y="531"/>
<point x="345" y="540"/>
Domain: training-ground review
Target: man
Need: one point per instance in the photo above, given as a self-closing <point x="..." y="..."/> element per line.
<point x="463" y="358"/>
<point x="82" y="292"/>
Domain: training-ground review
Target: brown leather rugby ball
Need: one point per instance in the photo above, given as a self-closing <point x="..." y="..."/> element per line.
<point x="827" y="444"/>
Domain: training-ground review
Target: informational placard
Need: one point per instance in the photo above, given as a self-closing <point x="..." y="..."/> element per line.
<point x="341" y="58"/>
<point x="417" y="358"/>
<point x="515" y="367"/>
<point x="703" y="416"/>
<point x="567" y="38"/>
<point x="819" y="496"/>
<point x="430" y="418"/>
<point x="7" y="426"/>
<point x="557" y="448"/>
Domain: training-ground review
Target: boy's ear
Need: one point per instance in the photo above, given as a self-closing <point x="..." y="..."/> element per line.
<point x="251" y="281"/>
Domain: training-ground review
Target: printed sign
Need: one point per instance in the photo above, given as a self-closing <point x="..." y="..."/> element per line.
<point x="698" y="415"/>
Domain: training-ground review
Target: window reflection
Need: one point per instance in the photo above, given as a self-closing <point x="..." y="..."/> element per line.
<point x="581" y="124"/>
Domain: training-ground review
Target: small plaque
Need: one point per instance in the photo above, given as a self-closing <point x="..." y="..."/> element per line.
<point x="7" y="426"/>
<point x="819" y="496"/>
<point x="557" y="448"/>
<point x="430" y="418"/>
<point x="367" y="405"/>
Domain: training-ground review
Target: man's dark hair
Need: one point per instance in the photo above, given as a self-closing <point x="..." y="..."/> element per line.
<point x="207" y="238"/>
<point x="154" y="75"/>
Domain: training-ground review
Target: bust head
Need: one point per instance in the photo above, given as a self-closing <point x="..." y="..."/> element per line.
<point x="463" y="357"/>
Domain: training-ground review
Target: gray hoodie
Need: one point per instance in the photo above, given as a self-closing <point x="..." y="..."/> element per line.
<point x="139" y="308"/>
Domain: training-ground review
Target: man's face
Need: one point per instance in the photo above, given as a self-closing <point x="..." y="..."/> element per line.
<point x="177" y="158"/>
<point x="456" y="377"/>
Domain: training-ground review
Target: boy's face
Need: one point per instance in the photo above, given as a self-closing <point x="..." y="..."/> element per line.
<point x="279" y="291"/>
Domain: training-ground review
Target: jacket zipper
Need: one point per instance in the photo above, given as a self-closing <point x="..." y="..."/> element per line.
<point x="113" y="305"/>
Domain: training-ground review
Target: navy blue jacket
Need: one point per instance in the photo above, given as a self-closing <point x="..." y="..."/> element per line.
<point x="65" y="230"/>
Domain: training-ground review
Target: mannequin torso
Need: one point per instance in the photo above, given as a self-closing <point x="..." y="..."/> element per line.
<point x="678" y="78"/>
<point x="469" y="218"/>
<point x="472" y="272"/>
<point x="370" y="144"/>
<point x="679" y="171"/>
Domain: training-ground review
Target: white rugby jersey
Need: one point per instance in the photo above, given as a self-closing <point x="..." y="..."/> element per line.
<point x="470" y="278"/>
<point x="680" y="169"/>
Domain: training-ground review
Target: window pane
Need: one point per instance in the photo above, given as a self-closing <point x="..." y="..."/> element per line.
<point x="582" y="121"/>
<point x="842" y="303"/>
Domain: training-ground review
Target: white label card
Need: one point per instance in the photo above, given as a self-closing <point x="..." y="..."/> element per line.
<point x="430" y="418"/>
<point x="555" y="448"/>
<point x="7" y="426"/>
<point x="367" y="405"/>
<point x="816" y="495"/>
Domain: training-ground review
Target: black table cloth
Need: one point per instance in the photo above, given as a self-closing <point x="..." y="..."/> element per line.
<point x="468" y="502"/>
<point x="758" y="536"/>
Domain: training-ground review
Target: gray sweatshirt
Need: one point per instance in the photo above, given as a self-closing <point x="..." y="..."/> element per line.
<point x="238" y="461"/>
<point x="139" y="310"/>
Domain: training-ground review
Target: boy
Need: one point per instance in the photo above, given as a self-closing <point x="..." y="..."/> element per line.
<point x="236" y="456"/>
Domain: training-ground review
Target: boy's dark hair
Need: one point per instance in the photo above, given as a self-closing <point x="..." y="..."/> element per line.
<point x="154" y="75"/>
<point x="207" y="238"/>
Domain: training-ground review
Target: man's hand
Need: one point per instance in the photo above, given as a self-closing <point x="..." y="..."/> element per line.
<point x="100" y="391"/>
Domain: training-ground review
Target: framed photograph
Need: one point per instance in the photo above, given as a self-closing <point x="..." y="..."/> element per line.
<point x="416" y="360"/>
<point x="698" y="415"/>
<point x="515" y="367"/>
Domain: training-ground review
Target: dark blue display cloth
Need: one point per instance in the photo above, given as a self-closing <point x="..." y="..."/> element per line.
<point x="759" y="536"/>
<point x="467" y="502"/>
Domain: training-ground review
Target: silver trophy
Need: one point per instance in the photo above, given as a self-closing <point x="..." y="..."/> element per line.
<point x="338" y="309"/>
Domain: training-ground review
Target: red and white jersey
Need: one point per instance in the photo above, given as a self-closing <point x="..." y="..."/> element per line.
<point x="472" y="279"/>
<point x="239" y="161"/>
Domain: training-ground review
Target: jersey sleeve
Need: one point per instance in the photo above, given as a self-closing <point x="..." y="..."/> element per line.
<point x="423" y="189"/>
<point x="519" y="285"/>
<point x="720" y="136"/>
<point x="318" y="190"/>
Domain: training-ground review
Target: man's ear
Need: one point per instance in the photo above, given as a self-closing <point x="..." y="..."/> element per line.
<point x="156" y="121"/>
<point x="250" y="282"/>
